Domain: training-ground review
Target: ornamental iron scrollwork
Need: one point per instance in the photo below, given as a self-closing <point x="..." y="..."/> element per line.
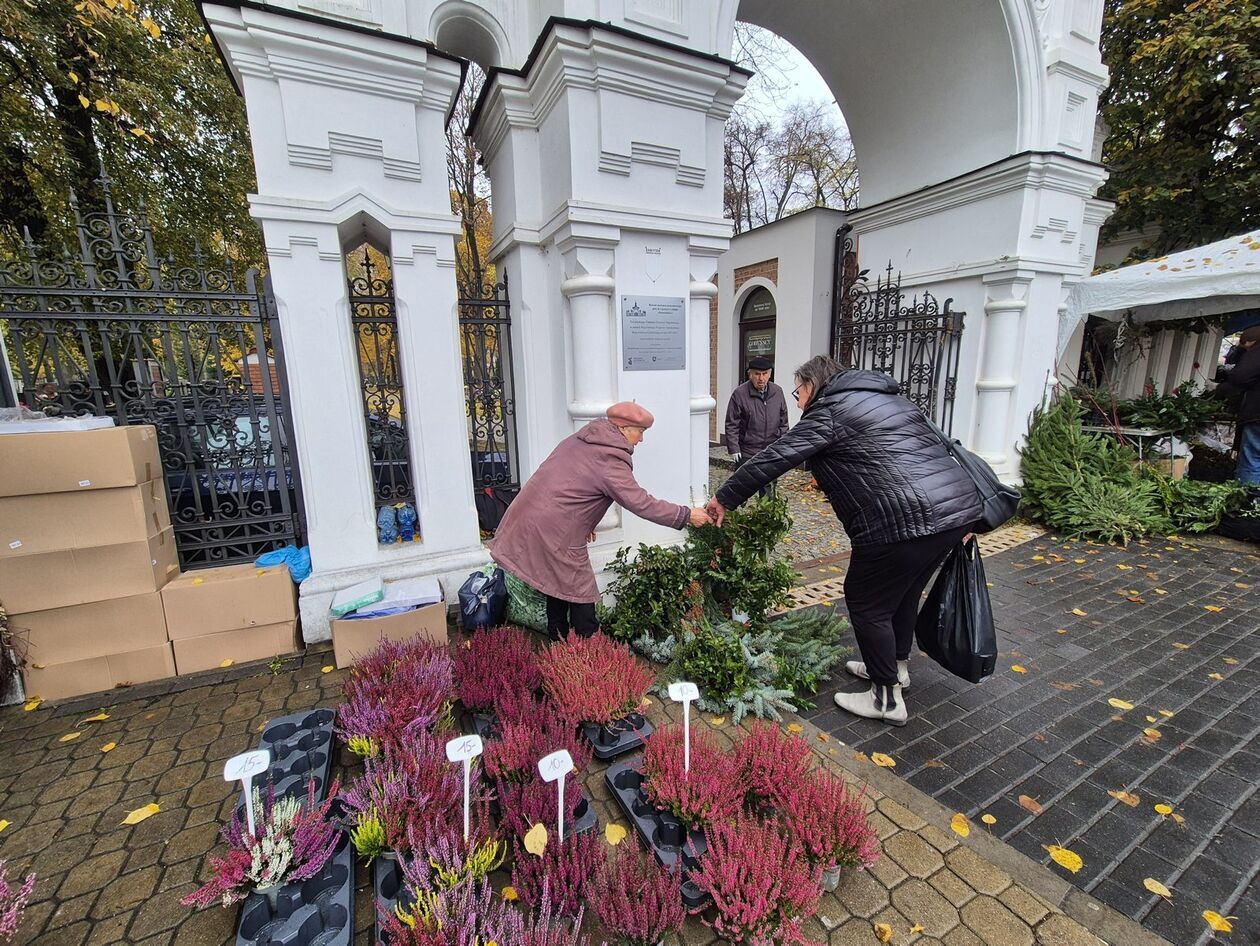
<point x="485" y="341"/>
<point x="117" y="330"/>
<point x="915" y="343"/>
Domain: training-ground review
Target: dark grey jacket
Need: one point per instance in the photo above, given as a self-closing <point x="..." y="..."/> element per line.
<point x="753" y="424"/>
<point x="886" y="472"/>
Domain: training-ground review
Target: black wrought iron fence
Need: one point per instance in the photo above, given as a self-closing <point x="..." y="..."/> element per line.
<point x="485" y="330"/>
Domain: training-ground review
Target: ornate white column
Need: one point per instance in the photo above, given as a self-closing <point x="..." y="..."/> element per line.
<point x="592" y="337"/>
<point x="1000" y="361"/>
<point x="701" y="404"/>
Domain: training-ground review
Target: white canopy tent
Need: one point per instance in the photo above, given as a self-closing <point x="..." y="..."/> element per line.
<point x="1209" y="280"/>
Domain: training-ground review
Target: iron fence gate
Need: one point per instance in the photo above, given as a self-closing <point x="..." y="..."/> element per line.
<point x="195" y="350"/>
<point x="873" y="328"/>
<point x="485" y="341"/>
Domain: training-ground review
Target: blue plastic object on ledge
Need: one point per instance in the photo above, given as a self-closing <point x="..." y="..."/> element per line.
<point x="298" y="560"/>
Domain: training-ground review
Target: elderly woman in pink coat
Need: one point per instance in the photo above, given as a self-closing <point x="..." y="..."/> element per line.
<point x="542" y="539"/>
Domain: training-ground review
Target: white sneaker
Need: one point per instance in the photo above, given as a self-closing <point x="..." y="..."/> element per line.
<point x="884" y="703"/>
<point x="858" y="669"/>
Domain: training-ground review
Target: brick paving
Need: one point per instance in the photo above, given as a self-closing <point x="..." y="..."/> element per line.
<point x="101" y="882"/>
<point x="1169" y="626"/>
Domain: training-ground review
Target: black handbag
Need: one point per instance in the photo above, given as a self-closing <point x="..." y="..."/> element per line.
<point x="1000" y="501"/>
<point x="955" y="627"/>
<point x="483" y="600"/>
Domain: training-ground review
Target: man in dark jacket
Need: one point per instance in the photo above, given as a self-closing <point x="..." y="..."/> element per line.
<point x="902" y="498"/>
<point x="1243" y="382"/>
<point x="756" y="415"/>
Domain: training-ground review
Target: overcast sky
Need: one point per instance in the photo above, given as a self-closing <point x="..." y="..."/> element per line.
<point x="803" y="84"/>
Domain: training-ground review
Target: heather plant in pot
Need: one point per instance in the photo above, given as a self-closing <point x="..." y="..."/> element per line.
<point x="709" y="792"/>
<point x="831" y="825"/>
<point x="596" y="682"/>
<point x="771" y="765"/>
<point x="513" y="757"/>
<point x="525" y="804"/>
<point x="469" y="914"/>
<point x="560" y="876"/>
<point x="493" y="663"/>
<point x="13" y="901"/>
<point x="636" y="899"/>
<point x="292" y="840"/>
<point x="396" y="693"/>
<point x="762" y="884"/>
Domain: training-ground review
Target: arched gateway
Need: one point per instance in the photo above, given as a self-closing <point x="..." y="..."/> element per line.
<point x="601" y="126"/>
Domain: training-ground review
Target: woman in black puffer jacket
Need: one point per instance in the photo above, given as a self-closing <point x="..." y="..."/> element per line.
<point x="903" y="500"/>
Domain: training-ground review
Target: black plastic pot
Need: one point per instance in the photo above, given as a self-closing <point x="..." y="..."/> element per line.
<point x="478" y="722"/>
<point x="619" y="737"/>
<point x="316" y="912"/>
<point x="659" y="831"/>
<point x="301" y="747"/>
<point x="387" y="889"/>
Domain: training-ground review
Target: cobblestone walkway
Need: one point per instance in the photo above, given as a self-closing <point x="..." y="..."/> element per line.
<point x="102" y="882"/>
<point x="1128" y="678"/>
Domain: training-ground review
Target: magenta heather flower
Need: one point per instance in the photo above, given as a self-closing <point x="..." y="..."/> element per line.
<point x="594" y="679"/>
<point x="637" y="899"/>
<point x="559" y="878"/>
<point x="513" y="757"/>
<point x="293" y="839"/>
<point x="13" y="901"/>
<point x="828" y="821"/>
<point x="525" y="804"/>
<point x="709" y="792"/>
<point x="471" y="914"/>
<point x="763" y="886"/>
<point x="495" y="662"/>
<point x="396" y="692"/>
<point x="772" y="763"/>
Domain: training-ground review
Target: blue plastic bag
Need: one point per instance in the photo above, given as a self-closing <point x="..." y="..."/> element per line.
<point x="298" y="560"/>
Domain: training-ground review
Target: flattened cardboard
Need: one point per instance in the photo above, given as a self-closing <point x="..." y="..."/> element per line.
<point x="96" y="629"/>
<point x="77" y="460"/>
<point x="239" y="646"/>
<point x="97" y="674"/>
<point x="353" y="638"/>
<point x="52" y="521"/>
<point x="47" y="580"/>
<point x="213" y="600"/>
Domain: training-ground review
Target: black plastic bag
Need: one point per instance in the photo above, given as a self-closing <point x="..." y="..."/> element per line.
<point x="955" y="627"/>
<point x="483" y="600"/>
<point x="492" y="503"/>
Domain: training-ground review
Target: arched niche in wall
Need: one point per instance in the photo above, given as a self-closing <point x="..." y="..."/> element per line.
<point x="758" y="319"/>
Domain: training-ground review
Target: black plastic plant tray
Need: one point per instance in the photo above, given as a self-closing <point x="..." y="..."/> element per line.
<point x="658" y="831"/>
<point x="387" y="887"/>
<point x="316" y="912"/>
<point x="478" y="722"/>
<point x="624" y="735"/>
<point x="301" y="747"/>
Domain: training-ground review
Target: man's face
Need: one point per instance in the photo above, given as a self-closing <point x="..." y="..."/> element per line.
<point x="759" y="379"/>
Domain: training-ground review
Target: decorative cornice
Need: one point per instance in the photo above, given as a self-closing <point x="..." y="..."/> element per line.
<point x="340" y="209"/>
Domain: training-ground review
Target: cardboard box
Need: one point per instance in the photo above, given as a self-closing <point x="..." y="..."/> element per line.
<point x="353" y="638"/>
<point x="46" y="580"/>
<point x="97" y="629"/>
<point x="52" y="521"/>
<point x="209" y="651"/>
<point x="213" y="600"/>
<point x="77" y="460"/>
<point x="96" y="674"/>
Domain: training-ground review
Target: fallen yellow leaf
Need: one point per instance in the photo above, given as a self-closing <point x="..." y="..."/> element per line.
<point x="861" y="757"/>
<point x="824" y="737"/>
<point x="1154" y="735"/>
<point x="1038" y="558"/>
<point x="536" y="840"/>
<point x="1160" y="591"/>
<point x="1069" y="860"/>
<point x="1119" y="703"/>
<point x="917" y="928"/>
<point x="883" y="932"/>
<point x="1127" y="797"/>
<point x="198" y="581"/>
<point x="1152" y="719"/>
<point x="148" y="811"/>
<point x="509" y="893"/>
<point x="614" y="834"/>
<point x="3" y="824"/>
<point x="795" y="728"/>
<point x="1215" y="676"/>
<point x="69" y="736"/>
<point x="1230" y="660"/>
<point x="109" y="747"/>
<point x="1167" y="714"/>
<point x="1029" y="803"/>
<point x="1079" y="561"/>
<point x="32" y="704"/>
<point x="226" y="663"/>
<point x="883" y="761"/>
<point x="988" y="819"/>
<point x="1155" y="887"/>
<point x="1177" y="818"/>
<point x="718" y="720"/>
<point x="1217" y="922"/>
<point x="1125" y="568"/>
<point x="1164" y="809"/>
<point x="1018" y="669"/>
<point x="326" y="669"/>
<point x="1213" y="608"/>
<point x="98" y="718"/>
<point x="1180" y="646"/>
<point x="1079" y="613"/>
<point x="960" y="824"/>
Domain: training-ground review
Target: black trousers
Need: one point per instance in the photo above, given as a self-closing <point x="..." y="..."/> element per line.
<point x="562" y="615"/>
<point x="882" y="590"/>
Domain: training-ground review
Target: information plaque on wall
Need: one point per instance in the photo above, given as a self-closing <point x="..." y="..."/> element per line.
<point x="653" y="333"/>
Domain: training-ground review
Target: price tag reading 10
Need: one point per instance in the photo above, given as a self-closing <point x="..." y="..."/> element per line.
<point x="464" y="749"/>
<point x="553" y="768"/>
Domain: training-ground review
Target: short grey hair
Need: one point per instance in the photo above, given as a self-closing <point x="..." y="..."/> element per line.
<point x="817" y="372"/>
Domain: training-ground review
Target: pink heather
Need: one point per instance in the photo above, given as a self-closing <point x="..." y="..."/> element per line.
<point x="495" y="662"/>
<point x="636" y="899"/>
<point x="772" y="764"/>
<point x="710" y="791"/>
<point x="411" y="789"/>
<point x="594" y="679"/>
<point x="513" y="757"/>
<point x="13" y="901"/>
<point x="560" y="877"/>
<point x="830" y="824"/>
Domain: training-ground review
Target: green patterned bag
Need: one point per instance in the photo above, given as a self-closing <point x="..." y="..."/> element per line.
<point x="526" y="607"/>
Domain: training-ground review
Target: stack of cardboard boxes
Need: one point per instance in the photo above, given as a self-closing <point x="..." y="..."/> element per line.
<point x="86" y="546"/>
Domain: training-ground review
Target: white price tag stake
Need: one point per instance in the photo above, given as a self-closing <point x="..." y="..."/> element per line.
<point x="464" y="749"/>
<point x="684" y="692"/>
<point x="553" y="768"/>
<point x="243" y="768"/>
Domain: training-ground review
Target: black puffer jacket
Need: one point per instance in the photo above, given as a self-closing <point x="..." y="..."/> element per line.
<point x="886" y="472"/>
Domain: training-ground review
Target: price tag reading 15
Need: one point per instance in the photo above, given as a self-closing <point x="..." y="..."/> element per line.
<point x="464" y="749"/>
